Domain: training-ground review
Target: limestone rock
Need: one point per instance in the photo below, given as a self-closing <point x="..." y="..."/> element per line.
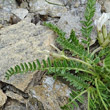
<point x="8" y="5"/>
<point x="65" y="2"/>
<point x="20" y="12"/>
<point x="14" y="105"/>
<point x="20" y="43"/>
<point x="53" y="94"/>
<point x="5" y="17"/>
<point x="68" y="22"/>
<point x="44" y="8"/>
<point x="17" y="97"/>
<point x="24" y="4"/>
<point x="102" y="1"/>
<point x="107" y="6"/>
<point x="83" y="2"/>
<point x="5" y="11"/>
<point x="71" y="20"/>
<point x="77" y="4"/>
<point x="3" y="98"/>
<point x="97" y="12"/>
<point x="1" y="26"/>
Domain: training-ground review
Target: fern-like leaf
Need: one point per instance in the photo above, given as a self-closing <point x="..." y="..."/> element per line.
<point x="55" y="29"/>
<point x="73" y="104"/>
<point x="73" y="38"/>
<point x="24" y="68"/>
<point x="104" y="52"/>
<point x="75" y="49"/>
<point x="87" y="23"/>
<point x="107" y="63"/>
<point x="76" y="81"/>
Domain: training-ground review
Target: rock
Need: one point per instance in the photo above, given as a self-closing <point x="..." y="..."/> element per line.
<point x="15" y="96"/>
<point x="14" y="105"/>
<point x="102" y="1"/>
<point x="5" y="11"/>
<point x="22" y="44"/>
<point x="34" y="104"/>
<point x="53" y="94"/>
<point x="5" y="17"/>
<point x="71" y="20"/>
<point x="68" y="3"/>
<point x="20" y="12"/>
<point x="83" y="2"/>
<point x="8" y="5"/>
<point x="97" y="12"/>
<point x="107" y="6"/>
<point x="65" y="2"/>
<point x="68" y="22"/>
<point x="44" y="8"/>
<point x="77" y="4"/>
<point x="24" y="5"/>
<point x="3" y="98"/>
<point x="1" y="26"/>
<point x="21" y="96"/>
<point x="14" y="19"/>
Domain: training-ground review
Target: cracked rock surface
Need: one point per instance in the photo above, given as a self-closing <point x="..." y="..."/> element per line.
<point x="53" y="94"/>
<point x="3" y="98"/>
<point x="22" y="35"/>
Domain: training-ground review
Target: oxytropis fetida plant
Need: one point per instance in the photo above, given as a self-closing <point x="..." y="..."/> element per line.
<point x="88" y="70"/>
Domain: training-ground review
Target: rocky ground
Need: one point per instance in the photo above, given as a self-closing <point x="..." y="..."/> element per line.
<point x="22" y="35"/>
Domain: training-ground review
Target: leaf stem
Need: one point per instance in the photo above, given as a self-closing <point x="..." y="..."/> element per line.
<point x="78" y="60"/>
<point x="58" y="50"/>
<point x="96" y="50"/>
<point x="104" y="86"/>
<point x="100" y="94"/>
<point x="59" y="56"/>
<point x="72" y="68"/>
<point x="78" y="96"/>
<point x="88" y="49"/>
<point x="88" y="100"/>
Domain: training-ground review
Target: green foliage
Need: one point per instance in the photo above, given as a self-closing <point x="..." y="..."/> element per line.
<point x="88" y="72"/>
<point x="87" y="23"/>
<point x="107" y="63"/>
<point x="104" y="52"/>
<point x="72" y="44"/>
<point x="55" y="29"/>
<point x="72" y="98"/>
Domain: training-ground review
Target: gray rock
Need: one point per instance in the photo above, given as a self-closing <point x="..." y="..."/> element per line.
<point x="3" y="98"/>
<point x="68" y="22"/>
<point x="97" y="12"/>
<point x="71" y="20"/>
<point x="15" y="96"/>
<point x="8" y="5"/>
<point x="102" y="1"/>
<point x="20" y="43"/>
<point x="20" y="12"/>
<point x="14" y="105"/>
<point x="5" y="17"/>
<point x="67" y="2"/>
<point x="5" y="11"/>
<point x="107" y="6"/>
<point x="83" y="2"/>
<point x="52" y="93"/>
<point x="24" y="4"/>
<point x="44" y="8"/>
